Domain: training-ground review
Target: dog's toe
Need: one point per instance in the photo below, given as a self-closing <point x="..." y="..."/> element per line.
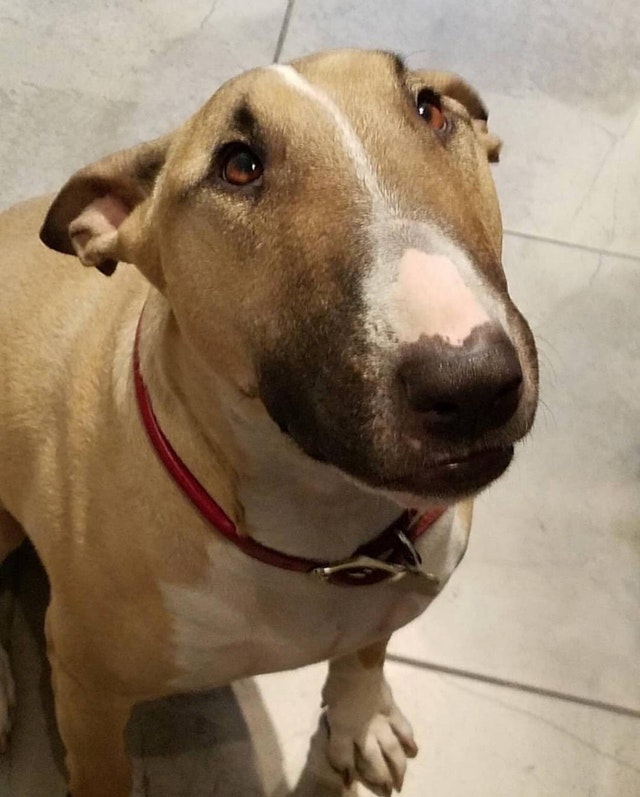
<point x="375" y="754"/>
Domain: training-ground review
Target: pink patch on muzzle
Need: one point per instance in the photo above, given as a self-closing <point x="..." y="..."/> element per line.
<point x="430" y="298"/>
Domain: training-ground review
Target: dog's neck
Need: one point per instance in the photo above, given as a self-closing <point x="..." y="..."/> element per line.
<point x="259" y="476"/>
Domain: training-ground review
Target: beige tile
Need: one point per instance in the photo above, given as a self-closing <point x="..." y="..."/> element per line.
<point x="202" y="745"/>
<point x="561" y="80"/>
<point x="549" y="592"/>
<point x="478" y="740"/>
<point x="81" y="80"/>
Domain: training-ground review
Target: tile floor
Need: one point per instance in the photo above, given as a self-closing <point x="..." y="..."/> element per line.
<point x="524" y="677"/>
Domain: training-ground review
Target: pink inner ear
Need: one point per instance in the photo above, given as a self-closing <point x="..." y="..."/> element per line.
<point x="112" y="208"/>
<point x="94" y="232"/>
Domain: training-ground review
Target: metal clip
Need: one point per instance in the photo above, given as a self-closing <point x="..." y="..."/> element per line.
<point x="360" y="571"/>
<point x="408" y="551"/>
<point x="428" y="582"/>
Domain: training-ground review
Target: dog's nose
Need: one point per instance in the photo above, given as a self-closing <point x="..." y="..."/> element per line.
<point x="463" y="391"/>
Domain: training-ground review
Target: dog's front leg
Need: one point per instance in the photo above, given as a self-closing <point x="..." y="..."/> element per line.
<point x="369" y="738"/>
<point x="92" y="723"/>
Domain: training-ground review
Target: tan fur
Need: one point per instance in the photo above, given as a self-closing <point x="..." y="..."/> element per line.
<point x="138" y="578"/>
<point x="373" y="655"/>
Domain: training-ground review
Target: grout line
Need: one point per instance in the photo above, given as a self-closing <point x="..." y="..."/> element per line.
<point x="517" y="685"/>
<point x="569" y="245"/>
<point x="283" y="30"/>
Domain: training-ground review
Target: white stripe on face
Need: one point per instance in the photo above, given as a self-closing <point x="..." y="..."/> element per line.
<point x="404" y="299"/>
<point x="352" y="144"/>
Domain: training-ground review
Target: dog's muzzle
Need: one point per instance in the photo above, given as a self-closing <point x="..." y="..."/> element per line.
<point x="388" y="557"/>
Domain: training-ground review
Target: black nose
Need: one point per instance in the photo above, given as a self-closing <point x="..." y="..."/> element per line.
<point x="463" y="391"/>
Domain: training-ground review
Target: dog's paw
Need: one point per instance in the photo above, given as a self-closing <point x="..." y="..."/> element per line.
<point x="7" y="699"/>
<point x="375" y="753"/>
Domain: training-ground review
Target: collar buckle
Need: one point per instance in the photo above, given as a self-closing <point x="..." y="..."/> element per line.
<point x="359" y="571"/>
<point x="398" y="559"/>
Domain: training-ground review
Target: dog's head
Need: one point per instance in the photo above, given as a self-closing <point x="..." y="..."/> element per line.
<point x="329" y="239"/>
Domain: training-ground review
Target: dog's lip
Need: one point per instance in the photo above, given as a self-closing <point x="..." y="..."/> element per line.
<point x="457" y="475"/>
<point x="483" y="456"/>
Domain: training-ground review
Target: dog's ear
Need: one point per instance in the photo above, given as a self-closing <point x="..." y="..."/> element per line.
<point x="102" y="214"/>
<point x="452" y="85"/>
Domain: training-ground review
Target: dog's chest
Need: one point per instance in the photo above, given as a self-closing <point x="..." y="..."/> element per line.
<point x="234" y="630"/>
<point x="251" y="618"/>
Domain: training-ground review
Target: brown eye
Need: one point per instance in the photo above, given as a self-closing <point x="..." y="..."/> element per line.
<point x="240" y="165"/>
<point x="430" y="110"/>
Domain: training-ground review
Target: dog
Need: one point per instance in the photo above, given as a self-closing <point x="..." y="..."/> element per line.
<point x="247" y="435"/>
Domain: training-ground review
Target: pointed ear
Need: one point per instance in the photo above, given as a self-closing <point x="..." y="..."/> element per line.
<point x="102" y="214"/>
<point x="452" y="85"/>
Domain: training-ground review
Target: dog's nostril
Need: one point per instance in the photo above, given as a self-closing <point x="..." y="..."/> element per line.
<point x="514" y="385"/>
<point x="435" y="409"/>
<point x="507" y="399"/>
<point x="441" y="412"/>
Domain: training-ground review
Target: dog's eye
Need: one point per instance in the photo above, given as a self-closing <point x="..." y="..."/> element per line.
<point x="430" y="109"/>
<point x="239" y="165"/>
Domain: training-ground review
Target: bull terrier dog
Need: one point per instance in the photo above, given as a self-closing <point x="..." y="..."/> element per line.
<point x="255" y="445"/>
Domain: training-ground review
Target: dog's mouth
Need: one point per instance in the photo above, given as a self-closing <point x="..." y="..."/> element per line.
<point x="456" y="476"/>
<point x="451" y="478"/>
<point x="382" y="455"/>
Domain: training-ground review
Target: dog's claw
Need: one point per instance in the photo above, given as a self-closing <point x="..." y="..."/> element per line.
<point x="381" y="791"/>
<point x="410" y="748"/>
<point x="376" y="755"/>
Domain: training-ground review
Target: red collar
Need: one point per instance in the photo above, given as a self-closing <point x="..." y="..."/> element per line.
<point x="389" y="556"/>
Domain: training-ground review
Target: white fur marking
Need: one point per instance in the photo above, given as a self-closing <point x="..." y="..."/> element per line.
<point x="352" y="143"/>
<point x="392" y="237"/>
<point x="429" y="298"/>
<point x="391" y="234"/>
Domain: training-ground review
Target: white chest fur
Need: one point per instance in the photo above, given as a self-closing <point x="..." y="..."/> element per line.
<point x="251" y="618"/>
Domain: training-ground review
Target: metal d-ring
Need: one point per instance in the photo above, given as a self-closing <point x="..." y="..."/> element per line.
<point x="360" y="571"/>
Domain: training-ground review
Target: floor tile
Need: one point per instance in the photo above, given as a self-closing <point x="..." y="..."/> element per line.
<point x="82" y="80"/>
<point x="549" y="592"/>
<point x="478" y="740"/>
<point x="561" y="79"/>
